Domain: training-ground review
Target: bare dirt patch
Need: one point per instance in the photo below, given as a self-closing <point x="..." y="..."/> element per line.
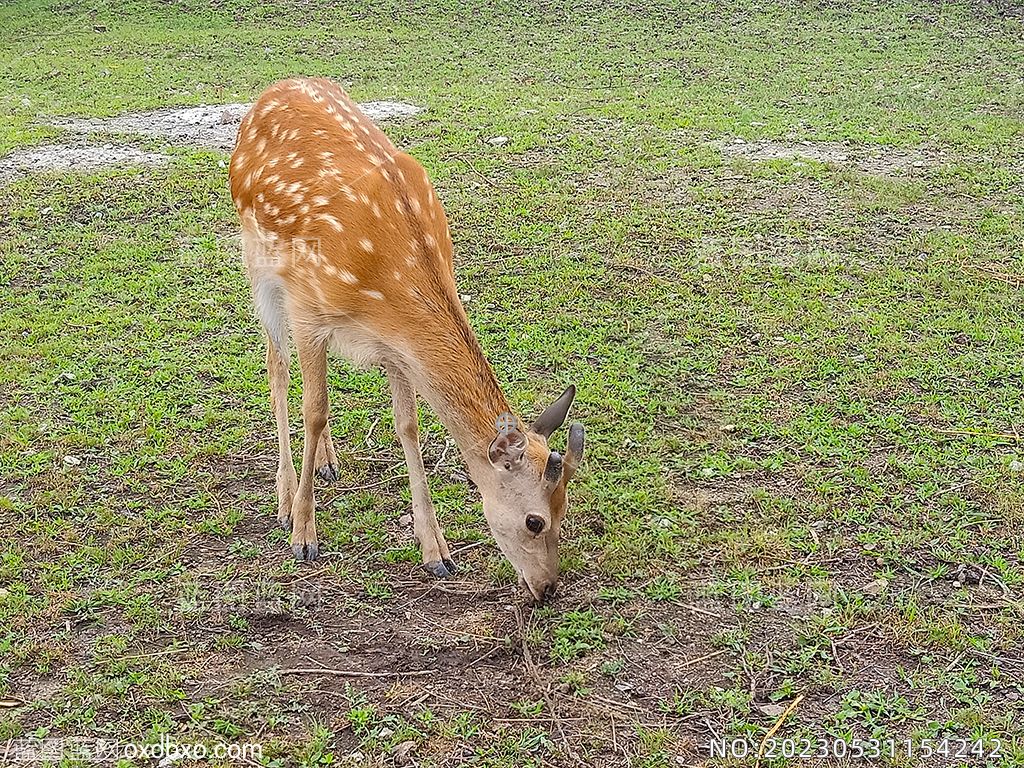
<point x="888" y="161"/>
<point x="208" y="125"/>
<point x="74" y="157"/>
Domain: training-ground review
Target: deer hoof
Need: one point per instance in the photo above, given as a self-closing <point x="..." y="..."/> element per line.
<point x="440" y="569"/>
<point x="306" y="552"/>
<point x="328" y="473"/>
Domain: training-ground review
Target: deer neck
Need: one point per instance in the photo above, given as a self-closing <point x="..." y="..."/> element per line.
<point x="455" y="378"/>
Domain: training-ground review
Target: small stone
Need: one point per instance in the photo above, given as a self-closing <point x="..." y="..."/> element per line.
<point x="1016" y="466"/>
<point x="72" y="461"/>
<point x="465" y="298"/>
<point x="498" y="141"/>
<point x="771" y="709"/>
<point x="405" y="520"/>
<point x="728" y="427"/>
<point x="3" y="593"/>
<point x="957" y="583"/>
<point x="876" y="587"/>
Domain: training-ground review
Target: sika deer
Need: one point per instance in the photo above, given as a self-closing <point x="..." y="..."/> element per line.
<point x="347" y="249"/>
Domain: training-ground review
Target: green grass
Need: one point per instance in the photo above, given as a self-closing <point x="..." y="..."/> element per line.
<point x="802" y="384"/>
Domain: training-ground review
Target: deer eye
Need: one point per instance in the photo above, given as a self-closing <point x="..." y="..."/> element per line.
<point x="534" y="523"/>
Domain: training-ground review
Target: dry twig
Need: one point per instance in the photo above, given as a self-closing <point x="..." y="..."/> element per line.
<point x="531" y="668"/>
<point x="775" y="728"/>
<point x="354" y="673"/>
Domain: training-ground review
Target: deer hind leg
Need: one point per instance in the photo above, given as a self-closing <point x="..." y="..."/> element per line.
<point x="269" y="299"/>
<point x="287" y="482"/>
<point x="313" y="362"/>
<point x="436" y="557"/>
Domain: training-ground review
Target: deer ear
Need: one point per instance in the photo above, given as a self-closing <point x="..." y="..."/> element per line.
<point x="554" y="414"/>
<point x="506" y="451"/>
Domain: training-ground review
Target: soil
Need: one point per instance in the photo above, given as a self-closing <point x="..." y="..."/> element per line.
<point x="205" y="126"/>
<point x="212" y="126"/>
<point x="888" y="161"/>
<point x="74" y="157"/>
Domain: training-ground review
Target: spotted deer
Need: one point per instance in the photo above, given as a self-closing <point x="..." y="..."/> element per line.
<point x="347" y="249"/>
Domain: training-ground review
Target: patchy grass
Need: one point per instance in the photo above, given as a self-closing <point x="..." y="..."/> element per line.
<point x="801" y="372"/>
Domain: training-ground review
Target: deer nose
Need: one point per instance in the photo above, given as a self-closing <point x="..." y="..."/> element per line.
<point x="545" y="590"/>
<point x="539" y="591"/>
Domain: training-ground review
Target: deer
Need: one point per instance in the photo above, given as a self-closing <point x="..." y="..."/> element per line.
<point x="347" y="250"/>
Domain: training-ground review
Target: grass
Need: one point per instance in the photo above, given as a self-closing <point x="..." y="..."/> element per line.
<point x="801" y="379"/>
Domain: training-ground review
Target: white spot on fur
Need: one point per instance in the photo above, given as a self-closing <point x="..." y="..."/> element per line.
<point x="366" y="244"/>
<point x="333" y="221"/>
<point x="374" y="295"/>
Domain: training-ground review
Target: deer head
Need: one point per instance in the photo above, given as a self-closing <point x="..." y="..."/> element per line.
<point x="525" y="500"/>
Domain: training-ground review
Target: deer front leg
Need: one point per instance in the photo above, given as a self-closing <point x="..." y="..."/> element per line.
<point x="313" y="362"/>
<point x="436" y="557"/>
<point x="326" y="458"/>
<point x="278" y="374"/>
